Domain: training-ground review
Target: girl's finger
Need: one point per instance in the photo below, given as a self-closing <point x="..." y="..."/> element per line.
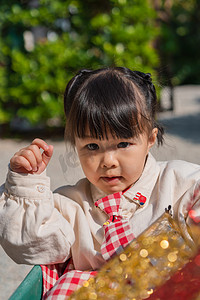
<point x="37" y="153"/>
<point x="46" y="155"/>
<point x="29" y="155"/>
<point x="20" y="164"/>
<point x="40" y="143"/>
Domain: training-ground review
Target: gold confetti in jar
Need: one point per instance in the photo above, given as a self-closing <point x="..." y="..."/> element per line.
<point x="146" y="264"/>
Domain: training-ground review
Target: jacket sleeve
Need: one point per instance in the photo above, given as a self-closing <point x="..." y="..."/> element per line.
<point x="32" y="227"/>
<point x="189" y="215"/>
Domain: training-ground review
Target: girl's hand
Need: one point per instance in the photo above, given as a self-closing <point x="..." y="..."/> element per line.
<point x="31" y="159"/>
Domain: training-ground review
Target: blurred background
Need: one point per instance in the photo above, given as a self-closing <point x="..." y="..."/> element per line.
<point x="43" y="43"/>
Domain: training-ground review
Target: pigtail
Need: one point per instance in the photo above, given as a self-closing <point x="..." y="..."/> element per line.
<point x="161" y="131"/>
<point x="72" y="88"/>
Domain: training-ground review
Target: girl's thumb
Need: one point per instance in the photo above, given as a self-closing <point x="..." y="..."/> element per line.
<point x="46" y="155"/>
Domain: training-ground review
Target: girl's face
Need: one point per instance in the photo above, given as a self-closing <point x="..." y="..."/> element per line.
<point x="113" y="164"/>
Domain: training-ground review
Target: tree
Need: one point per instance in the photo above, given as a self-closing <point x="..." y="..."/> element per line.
<point x="179" y="41"/>
<point x="44" y="43"/>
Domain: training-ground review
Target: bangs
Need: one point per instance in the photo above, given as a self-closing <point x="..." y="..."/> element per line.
<point x="106" y="103"/>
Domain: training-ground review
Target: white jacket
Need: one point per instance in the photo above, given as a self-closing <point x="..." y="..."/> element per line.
<point x="41" y="227"/>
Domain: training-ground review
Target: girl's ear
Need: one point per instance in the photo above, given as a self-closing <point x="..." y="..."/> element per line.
<point x="153" y="137"/>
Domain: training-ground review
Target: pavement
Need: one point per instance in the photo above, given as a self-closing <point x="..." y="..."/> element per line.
<point x="182" y="141"/>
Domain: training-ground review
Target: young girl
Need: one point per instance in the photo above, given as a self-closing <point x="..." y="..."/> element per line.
<point x="111" y="123"/>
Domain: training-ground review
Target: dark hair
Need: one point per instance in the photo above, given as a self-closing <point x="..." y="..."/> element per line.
<point x="115" y="100"/>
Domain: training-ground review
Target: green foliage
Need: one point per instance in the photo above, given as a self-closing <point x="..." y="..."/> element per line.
<point x="73" y="34"/>
<point x="180" y="42"/>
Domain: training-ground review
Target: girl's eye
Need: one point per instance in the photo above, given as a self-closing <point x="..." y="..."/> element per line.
<point x="123" y="145"/>
<point x="92" y="147"/>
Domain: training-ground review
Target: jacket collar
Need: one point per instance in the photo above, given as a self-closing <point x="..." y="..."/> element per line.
<point x="143" y="186"/>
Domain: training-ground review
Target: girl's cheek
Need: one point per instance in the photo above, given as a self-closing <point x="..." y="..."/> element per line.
<point x="91" y="158"/>
<point x="87" y="162"/>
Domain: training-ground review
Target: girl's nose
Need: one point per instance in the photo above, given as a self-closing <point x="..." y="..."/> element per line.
<point x="109" y="160"/>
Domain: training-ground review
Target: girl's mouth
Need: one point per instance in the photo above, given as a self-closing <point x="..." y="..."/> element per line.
<point x="111" y="180"/>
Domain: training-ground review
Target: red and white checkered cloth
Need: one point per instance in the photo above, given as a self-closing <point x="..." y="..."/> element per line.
<point x="67" y="284"/>
<point x="117" y="230"/>
<point x="51" y="274"/>
<point x="58" y="284"/>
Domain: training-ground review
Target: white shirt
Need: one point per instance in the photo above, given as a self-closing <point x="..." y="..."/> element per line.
<point x="41" y="227"/>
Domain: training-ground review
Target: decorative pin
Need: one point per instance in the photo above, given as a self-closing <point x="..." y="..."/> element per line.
<point x="169" y="210"/>
<point x="106" y="223"/>
<point x="139" y="199"/>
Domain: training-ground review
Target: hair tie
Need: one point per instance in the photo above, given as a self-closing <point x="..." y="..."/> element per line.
<point x="147" y="76"/>
<point x="77" y="76"/>
<point x="144" y="76"/>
